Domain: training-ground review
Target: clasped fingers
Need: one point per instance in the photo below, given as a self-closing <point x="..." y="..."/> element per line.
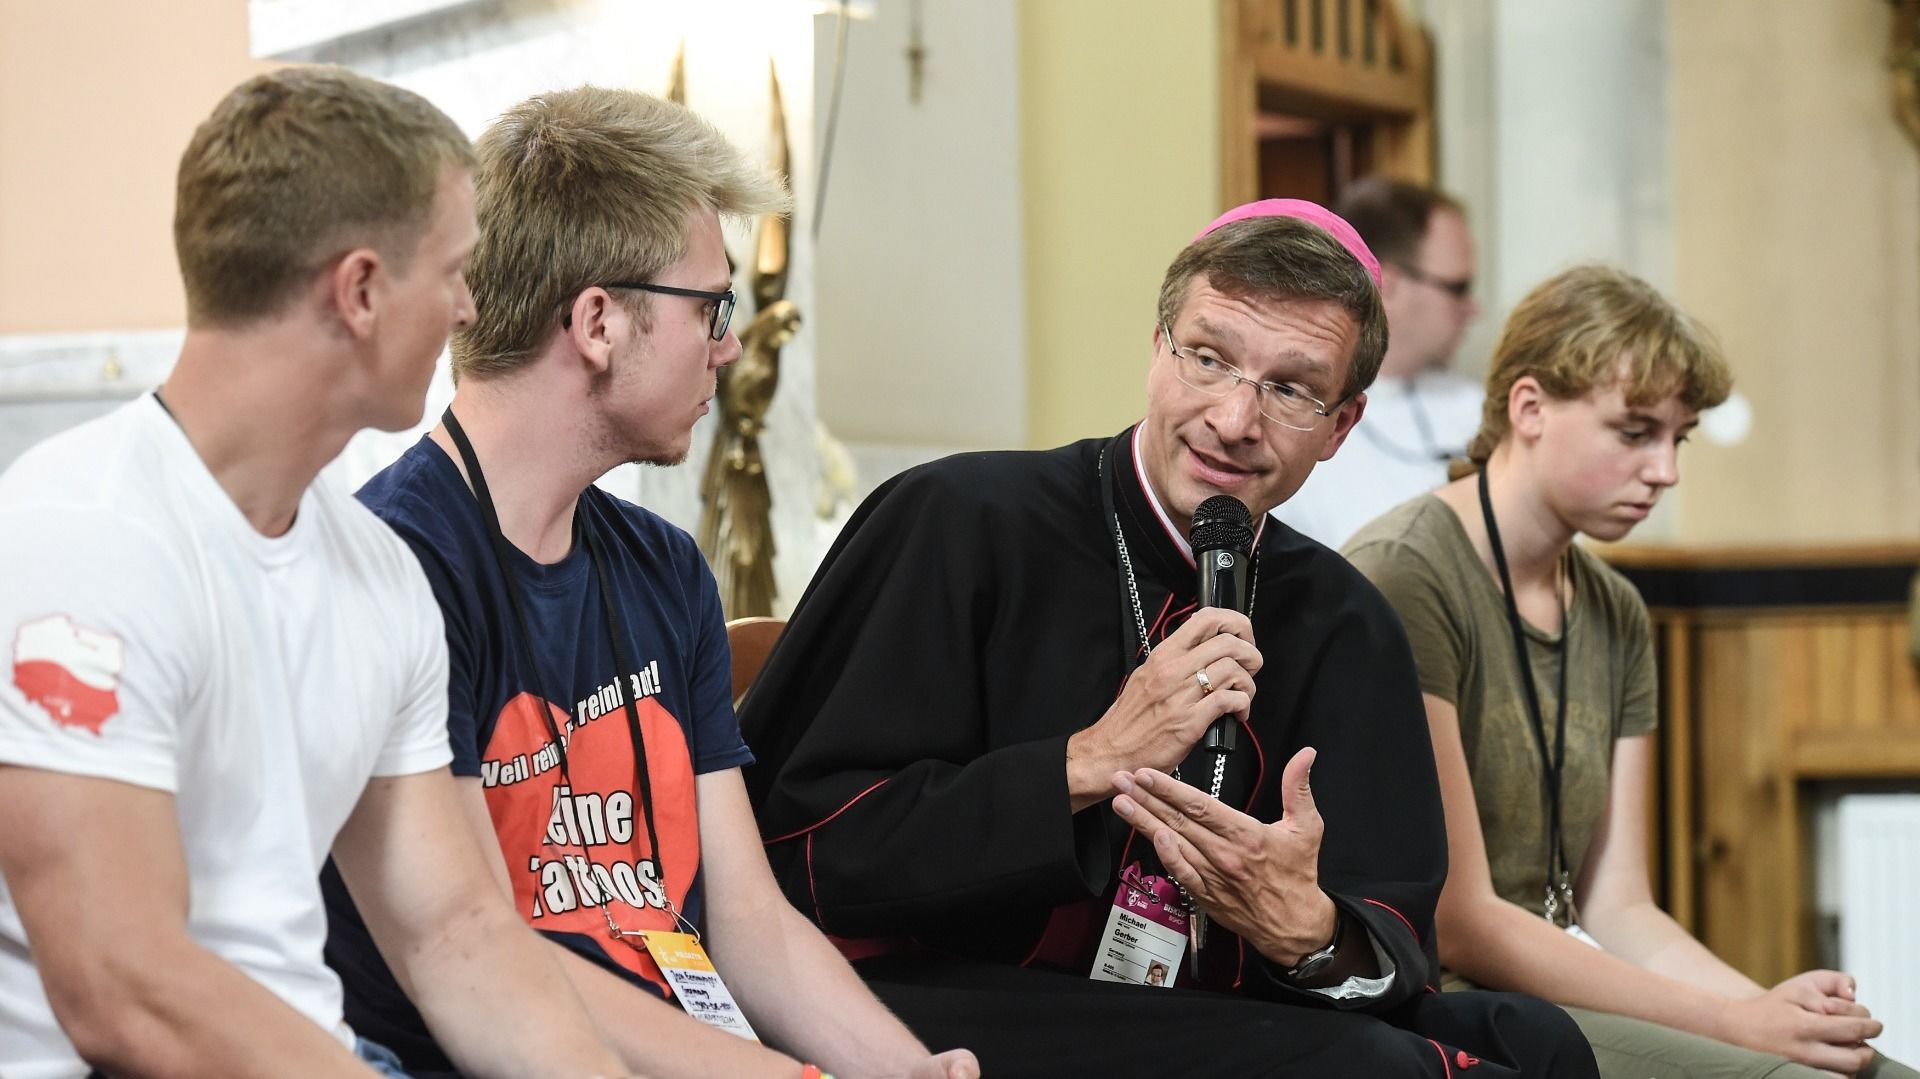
<point x="1833" y="1041"/>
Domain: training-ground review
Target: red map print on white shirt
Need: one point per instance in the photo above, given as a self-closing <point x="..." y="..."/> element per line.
<point x="69" y="670"/>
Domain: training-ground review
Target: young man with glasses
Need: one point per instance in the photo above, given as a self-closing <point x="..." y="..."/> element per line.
<point x="1420" y="414"/>
<point x="590" y="686"/>
<point x="970" y="734"/>
<point x="222" y="667"/>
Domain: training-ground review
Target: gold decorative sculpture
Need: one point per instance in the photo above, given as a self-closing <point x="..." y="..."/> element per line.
<point x="1903" y="57"/>
<point x="736" y="521"/>
<point x="736" y="525"/>
<point x="677" y="78"/>
<point x="916" y="53"/>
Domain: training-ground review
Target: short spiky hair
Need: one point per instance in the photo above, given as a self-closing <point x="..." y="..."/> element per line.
<point x="1285" y="258"/>
<point x="581" y="188"/>
<point x="295" y="168"/>
<point x="1590" y="327"/>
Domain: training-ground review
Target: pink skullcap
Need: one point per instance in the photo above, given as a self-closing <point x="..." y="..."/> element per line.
<point x="1313" y="213"/>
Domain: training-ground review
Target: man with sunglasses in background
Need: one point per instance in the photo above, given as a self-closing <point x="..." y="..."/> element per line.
<point x="1420" y="414"/>
<point x="590" y="687"/>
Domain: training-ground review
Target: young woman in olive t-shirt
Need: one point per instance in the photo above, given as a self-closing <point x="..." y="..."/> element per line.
<point x="1539" y="685"/>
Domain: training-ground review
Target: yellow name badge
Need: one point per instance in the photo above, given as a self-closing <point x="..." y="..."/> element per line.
<point x="698" y="986"/>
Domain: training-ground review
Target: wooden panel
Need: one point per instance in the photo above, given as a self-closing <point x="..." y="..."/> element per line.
<point x="1297" y="168"/>
<point x="1406" y="150"/>
<point x="1239" y="102"/>
<point x="1360" y="63"/>
<point x="1739" y="884"/>
<point x="1758" y="703"/>
<point x="1832" y="666"/>
<point x="1629" y="555"/>
<point x="1295" y="81"/>
<point x="1676" y="765"/>
<point x="1884" y="754"/>
<point x="1903" y="689"/>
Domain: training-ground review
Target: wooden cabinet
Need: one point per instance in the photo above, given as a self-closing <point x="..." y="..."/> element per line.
<point x="1779" y="670"/>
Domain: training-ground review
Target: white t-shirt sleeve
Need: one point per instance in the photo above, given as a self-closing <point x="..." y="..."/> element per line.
<point x="103" y="637"/>
<point x="418" y="742"/>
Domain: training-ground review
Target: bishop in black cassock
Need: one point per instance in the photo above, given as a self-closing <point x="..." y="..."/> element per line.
<point x="915" y="725"/>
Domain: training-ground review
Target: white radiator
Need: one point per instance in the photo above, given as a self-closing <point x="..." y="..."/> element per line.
<point x="1879" y="839"/>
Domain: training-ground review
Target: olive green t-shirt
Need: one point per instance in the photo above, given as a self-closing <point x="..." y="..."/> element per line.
<point x="1419" y="555"/>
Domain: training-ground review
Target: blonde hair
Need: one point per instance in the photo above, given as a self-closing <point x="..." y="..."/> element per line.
<point x="585" y="187"/>
<point x="293" y="169"/>
<point x="1595" y="326"/>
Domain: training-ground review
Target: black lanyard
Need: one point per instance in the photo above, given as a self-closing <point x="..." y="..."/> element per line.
<point x="502" y="552"/>
<point x="1552" y="765"/>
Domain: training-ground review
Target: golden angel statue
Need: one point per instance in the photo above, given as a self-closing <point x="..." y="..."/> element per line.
<point x="736" y="520"/>
<point x="736" y="526"/>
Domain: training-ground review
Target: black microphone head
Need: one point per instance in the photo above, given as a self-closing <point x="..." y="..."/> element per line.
<point x="1222" y="523"/>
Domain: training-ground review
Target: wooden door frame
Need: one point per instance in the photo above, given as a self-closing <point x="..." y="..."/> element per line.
<point x="1384" y="78"/>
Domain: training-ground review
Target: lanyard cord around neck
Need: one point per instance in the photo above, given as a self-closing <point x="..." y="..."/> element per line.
<point x="1552" y="765"/>
<point x="502" y="552"/>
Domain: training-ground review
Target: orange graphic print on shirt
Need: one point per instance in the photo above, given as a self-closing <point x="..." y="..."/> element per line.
<point x="575" y="845"/>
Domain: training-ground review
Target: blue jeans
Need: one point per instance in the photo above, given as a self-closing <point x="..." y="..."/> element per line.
<point x="379" y="1058"/>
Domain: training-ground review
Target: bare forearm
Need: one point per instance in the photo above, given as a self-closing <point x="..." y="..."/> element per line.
<point x="484" y="981"/>
<point x="801" y="994"/>
<point x="658" y="1039"/>
<point x="1504" y="947"/>
<point x="190" y="1013"/>
<point x="1647" y="937"/>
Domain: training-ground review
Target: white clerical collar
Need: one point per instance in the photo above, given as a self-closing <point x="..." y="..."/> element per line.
<point x="1159" y="511"/>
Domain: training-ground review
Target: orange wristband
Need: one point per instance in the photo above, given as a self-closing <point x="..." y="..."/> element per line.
<point x="812" y="1071"/>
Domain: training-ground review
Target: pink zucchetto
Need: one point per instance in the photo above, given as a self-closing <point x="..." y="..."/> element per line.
<point x="1312" y="213"/>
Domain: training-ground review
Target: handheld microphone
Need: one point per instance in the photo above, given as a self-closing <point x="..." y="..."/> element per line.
<point x="1222" y="540"/>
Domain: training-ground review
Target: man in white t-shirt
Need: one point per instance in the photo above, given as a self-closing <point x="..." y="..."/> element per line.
<point x="1419" y="414"/>
<point x="220" y="671"/>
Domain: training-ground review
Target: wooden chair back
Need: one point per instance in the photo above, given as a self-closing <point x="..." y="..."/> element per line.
<point x="750" y="640"/>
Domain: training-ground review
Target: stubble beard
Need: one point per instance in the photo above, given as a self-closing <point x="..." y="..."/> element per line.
<point x="610" y="439"/>
<point x="662" y="460"/>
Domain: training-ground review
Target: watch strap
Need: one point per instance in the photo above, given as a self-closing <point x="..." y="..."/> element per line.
<point x="1314" y="962"/>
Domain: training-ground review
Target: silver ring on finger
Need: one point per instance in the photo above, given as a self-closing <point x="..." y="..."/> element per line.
<point x="1206" y="684"/>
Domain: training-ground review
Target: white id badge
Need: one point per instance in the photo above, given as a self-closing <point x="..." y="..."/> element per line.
<point x="1146" y="935"/>
<point x="1583" y="936"/>
<point x="704" y="996"/>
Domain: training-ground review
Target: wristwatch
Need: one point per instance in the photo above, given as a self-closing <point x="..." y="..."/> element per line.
<point x="1313" y="963"/>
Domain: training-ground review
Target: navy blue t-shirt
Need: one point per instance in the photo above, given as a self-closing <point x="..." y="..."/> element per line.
<point x="576" y="847"/>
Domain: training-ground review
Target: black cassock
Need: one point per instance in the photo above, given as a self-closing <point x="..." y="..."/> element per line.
<point x="911" y="732"/>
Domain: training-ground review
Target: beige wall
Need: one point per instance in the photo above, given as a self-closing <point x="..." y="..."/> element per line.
<point x="1121" y="147"/>
<point x="97" y="100"/>
<point x="921" y="268"/>
<point x="1796" y="210"/>
<point x="1797" y="238"/>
